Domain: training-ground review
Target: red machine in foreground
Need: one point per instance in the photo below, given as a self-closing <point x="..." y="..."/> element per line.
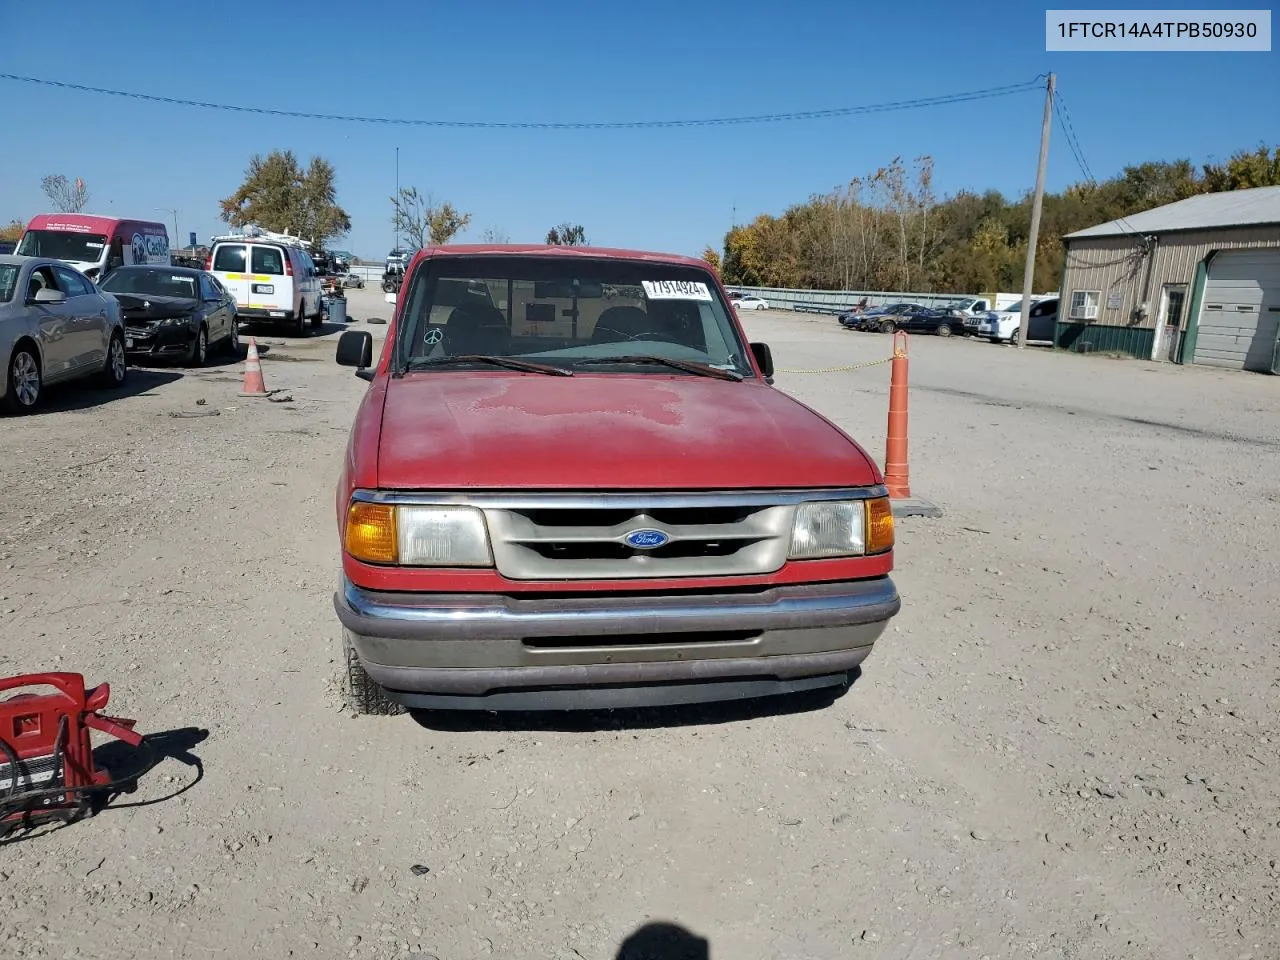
<point x="46" y="757"/>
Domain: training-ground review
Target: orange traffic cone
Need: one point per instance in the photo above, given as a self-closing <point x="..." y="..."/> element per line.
<point x="896" y="474"/>
<point x="254" y="385"/>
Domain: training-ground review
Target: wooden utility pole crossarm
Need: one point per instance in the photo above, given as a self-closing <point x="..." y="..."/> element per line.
<point x="1029" y="275"/>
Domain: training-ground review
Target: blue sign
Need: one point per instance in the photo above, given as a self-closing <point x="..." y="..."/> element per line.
<point x="646" y="539"/>
<point x="193" y="240"/>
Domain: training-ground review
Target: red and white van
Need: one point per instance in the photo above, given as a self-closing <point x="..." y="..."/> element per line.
<point x="95" y="245"/>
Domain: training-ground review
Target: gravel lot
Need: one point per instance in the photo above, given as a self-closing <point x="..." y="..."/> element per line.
<point x="1066" y="746"/>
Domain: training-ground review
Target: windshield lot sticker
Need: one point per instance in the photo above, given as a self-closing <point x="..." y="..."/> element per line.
<point x="675" y="290"/>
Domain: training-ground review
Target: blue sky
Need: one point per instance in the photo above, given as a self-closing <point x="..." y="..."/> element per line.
<point x="665" y="189"/>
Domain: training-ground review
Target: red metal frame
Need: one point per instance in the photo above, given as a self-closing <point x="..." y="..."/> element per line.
<point x="40" y="726"/>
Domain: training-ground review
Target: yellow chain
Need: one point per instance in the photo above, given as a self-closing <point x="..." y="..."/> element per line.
<point x="844" y="369"/>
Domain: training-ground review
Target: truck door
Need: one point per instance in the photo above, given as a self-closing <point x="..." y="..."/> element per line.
<point x="272" y="284"/>
<point x="231" y="267"/>
<point x="88" y="315"/>
<point x="56" y="322"/>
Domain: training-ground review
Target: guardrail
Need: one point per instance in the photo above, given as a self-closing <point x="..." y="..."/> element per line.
<point x="837" y="301"/>
<point x="816" y="308"/>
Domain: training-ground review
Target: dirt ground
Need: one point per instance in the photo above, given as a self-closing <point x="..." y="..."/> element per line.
<point x="1064" y="747"/>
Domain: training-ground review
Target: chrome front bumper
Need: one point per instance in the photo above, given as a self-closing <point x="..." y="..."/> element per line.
<point x="435" y="649"/>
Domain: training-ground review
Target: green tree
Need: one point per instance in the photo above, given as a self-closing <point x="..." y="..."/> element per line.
<point x="444" y="223"/>
<point x="1245" y="169"/>
<point x="709" y="254"/>
<point x="567" y="235"/>
<point x="319" y="216"/>
<point x="277" y="194"/>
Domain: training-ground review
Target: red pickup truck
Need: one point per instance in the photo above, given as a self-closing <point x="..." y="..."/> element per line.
<point x="571" y="484"/>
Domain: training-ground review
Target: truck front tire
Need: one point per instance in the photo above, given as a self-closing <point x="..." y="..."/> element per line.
<point x="363" y="695"/>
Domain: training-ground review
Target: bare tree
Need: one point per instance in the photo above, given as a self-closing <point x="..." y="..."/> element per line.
<point x="66" y="196"/>
<point x="409" y="215"/>
<point x="495" y="236"/>
<point x="417" y="217"/>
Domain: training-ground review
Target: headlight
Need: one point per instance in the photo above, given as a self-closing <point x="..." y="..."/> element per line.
<point x="418" y="536"/>
<point x="841" y="528"/>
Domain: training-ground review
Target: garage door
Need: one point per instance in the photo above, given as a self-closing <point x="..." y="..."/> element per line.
<point x="1241" y="311"/>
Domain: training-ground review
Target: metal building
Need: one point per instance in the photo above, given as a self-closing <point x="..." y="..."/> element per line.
<point x="1197" y="281"/>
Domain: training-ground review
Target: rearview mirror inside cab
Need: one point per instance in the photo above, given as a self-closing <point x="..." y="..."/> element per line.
<point x="355" y="349"/>
<point x="567" y="290"/>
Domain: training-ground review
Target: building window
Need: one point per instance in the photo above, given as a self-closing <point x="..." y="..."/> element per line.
<point x="1084" y="304"/>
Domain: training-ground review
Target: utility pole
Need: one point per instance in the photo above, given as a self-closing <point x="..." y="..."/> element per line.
<point x="1029" y="274"/>
<point x="397" y="204"/>
<point x="175" y="223"/>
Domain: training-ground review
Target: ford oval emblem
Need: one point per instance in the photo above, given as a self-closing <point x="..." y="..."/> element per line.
<point x="646" y="539"/>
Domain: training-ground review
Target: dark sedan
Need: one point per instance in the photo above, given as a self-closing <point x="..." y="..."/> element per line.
<point x="174" y="312"/>
<point x="920" y="319"/>
<point x="883" y="319"/>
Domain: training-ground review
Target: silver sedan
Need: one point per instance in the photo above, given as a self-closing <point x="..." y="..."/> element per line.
<point x="55" y="325"/>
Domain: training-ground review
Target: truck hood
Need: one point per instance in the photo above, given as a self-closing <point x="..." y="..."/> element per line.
<point x="607" y="432"/>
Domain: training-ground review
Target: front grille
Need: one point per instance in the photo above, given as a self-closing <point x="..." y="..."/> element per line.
<point x="582" y="542"/>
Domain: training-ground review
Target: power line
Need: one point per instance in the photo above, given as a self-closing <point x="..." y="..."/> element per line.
<point x="1073" y="141"/>
<point x="1071" y="144"/>
<point x="798" y="115"/>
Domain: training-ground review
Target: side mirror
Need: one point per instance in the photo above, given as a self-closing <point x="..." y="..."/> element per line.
<point x="764" y="358"/>
<point x="46" y="295"/>
<point x="355" y="349"/>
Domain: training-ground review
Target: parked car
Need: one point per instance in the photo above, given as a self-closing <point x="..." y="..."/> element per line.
<point x="1003" y="327"/>
<point x="749" y="302"/>
<point x="174" y="313"/>
<point x="55" y="325"/>
<point x="353" y="280"/>
<point x="858" y="309"/>
<point x="985" y="324"/>
<point x="882" y="319"/>
<point x="666" y="528"/>
<point x="271" y="276"/>
<point x="921" y="319"/>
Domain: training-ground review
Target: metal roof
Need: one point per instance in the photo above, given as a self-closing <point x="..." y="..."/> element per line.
<point x="1206" y="211"/>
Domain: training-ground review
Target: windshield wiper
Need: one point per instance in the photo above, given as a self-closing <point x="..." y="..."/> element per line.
<point x="511" y="363"/>
<point x="688" y="366"/>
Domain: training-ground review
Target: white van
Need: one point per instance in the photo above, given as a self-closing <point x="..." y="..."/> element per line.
<point x="272" y="277"/>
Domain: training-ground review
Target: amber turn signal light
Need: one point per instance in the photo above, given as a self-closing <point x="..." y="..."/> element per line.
<point x="879" y="525"/>
<point x="371" y="532"/>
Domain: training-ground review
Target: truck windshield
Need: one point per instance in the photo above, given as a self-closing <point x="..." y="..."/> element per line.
<point x="62" y="245"/>
<point x="569" y="312"/>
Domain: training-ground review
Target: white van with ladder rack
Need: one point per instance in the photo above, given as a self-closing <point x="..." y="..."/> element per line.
<point x="271" y="275"/>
